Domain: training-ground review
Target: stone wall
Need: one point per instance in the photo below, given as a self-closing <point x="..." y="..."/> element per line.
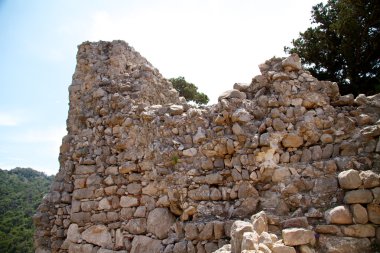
<point x="143" y="171"/>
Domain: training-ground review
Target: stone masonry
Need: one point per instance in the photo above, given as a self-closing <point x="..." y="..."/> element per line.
<point x="283" y="164"/>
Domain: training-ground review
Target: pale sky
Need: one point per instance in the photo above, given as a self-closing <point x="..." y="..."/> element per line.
<point x="212" y="43"/>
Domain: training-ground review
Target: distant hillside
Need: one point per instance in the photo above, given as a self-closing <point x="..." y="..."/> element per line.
<point x="21" y="191"/>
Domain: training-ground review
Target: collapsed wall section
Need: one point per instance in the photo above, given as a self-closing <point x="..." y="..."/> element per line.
<point x="143" y="171"/>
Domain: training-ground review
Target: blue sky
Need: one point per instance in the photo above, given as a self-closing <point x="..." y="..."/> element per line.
<point x="213" y="43"/>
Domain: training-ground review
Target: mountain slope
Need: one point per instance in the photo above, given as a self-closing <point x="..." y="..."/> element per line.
<point x="21" y="191"/>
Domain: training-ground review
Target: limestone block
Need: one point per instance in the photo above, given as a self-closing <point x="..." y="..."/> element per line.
<point x="328" y="229"/>
<point x="280" y="174"/>
<point x="360" y="196"/>
<point x="176" y="109"/>
<point x="359" y="214"/>
<point x="159" y="222"/>
<point x="85" y="193"/>
<point x="369" y="178"/>
<point x="136" y="226"/>
<point x="296" y="222"/>
<point x="306" y="249"/>
<point x="297" y="236"/>
<point x="376" y="195"/>
<point x="73" y="234"/>
<point x="218" y="229"/>
<point x="338" y="215"/>
<point x="292" y="63"/>
<point x="359" y="230"/>
<point x="260" y="222"/>
<point x="191" y="231"/>
<point x="292" y="141"/>
<point x="374" y="213"/>
<point x="190" y="152"/>
<point x="241" y="115"/>
<point x="337" y="244"/>
<point x="144" y="244"/>
<point x="98" y="235"/>
<point x="201" y="193"/>
<point x="237" y="230"/>
<point x="349" y="179"/>
<point x="128" y="201"/>
<point x="232" y="94"/>
<point x="207" y="232"/>
<point x="280" y="248"/>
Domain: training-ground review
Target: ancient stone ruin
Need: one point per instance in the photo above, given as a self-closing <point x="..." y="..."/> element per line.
<point x="285" y="164"/>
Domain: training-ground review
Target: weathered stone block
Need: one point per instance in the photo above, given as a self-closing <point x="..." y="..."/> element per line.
<point x="297" y="236"/>
<point x="349" y="179"/>
<point x="159" y="222"/>
<point x="360" y="196"/>
<point x="338" y="215"/>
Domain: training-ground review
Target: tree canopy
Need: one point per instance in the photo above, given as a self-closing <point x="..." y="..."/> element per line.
<point x="21" y="191"/>
<point x="189" y="90"/>
<point x="343" y="45"/>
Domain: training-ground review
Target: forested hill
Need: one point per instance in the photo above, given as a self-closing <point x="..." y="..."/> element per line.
<point x="21" y="191"/>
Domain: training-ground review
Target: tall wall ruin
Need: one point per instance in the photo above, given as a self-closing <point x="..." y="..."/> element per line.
<point x="143" y="171"/>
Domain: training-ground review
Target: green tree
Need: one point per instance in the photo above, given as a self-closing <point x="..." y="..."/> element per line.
<point x="343" y="44"/>
<point x="21" y="191"/>
<point x="189" y="90"/>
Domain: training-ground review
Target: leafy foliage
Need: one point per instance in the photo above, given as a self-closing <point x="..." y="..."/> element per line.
<point x="21" y="191"/>
<point x="189" y="90"/>
<point x="343" y="44"/>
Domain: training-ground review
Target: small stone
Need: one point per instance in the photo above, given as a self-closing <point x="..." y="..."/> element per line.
<point x="136" y="226"/>
<point x="207" y="232"/>
<point x="338" y="215"/>
<point x="278" y="124"/>
<point x="297" y="222"/>
<point x="280" y="248"/>
<point x="349" y="179"/>
<point x="232" y="94"/>
<point x="144" y="244"/>
<point x="292" y="141"/>
<point x="360" y="196"/>
<point x="369" y="178"/>
<point x="159" y="222"/>
<point x="73" y="234"/>
<point x="250" y="239"/>
<point x="98" y="235"/>
<point x="374" y="213"/>
<point x="237" y="230"/>
<point x="176" y="109"/>
<point x="104" y="204"/>
<point x="127" y="201"/>
<point x="339" y="244"/>
<point x="292" y="63"/>
<point x="280" y="174"/>
<point x="260" y="222"/>
<point x="359" y="214"/>
<point x="297" y="236"/>
<point x="190" y="152"/>
<point x="328" y="229"/>
<point x="359" y="230"/>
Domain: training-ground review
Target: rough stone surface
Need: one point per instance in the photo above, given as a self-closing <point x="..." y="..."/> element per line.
<point x="159" y="222"/>
<point x="98" y="235"/>
<point x="334" y="244"/>
<point x="349" y="179"/>
<point x="280" y="144"/>
<point x="237" y="231"/>
<point x="297" y="236"/>
<point x="339" y="215"/>
<point x="144" y="244"/>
